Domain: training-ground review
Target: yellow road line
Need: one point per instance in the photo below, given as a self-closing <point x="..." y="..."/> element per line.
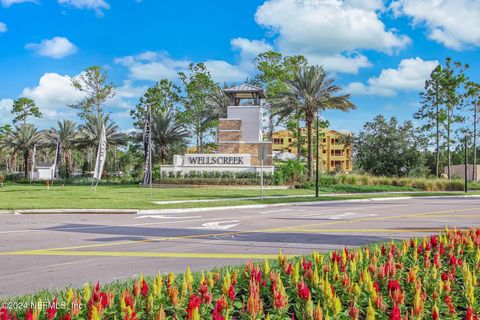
<point x="408" y="215"/>
<point x="186" y="255"/>
<point x="153" y="239"/>
<point x="370" y="230"/>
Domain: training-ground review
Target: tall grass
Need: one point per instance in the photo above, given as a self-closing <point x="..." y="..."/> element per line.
<point x="418" y="183"/>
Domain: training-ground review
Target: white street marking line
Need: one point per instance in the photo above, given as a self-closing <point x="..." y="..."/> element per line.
<point x="167" y="217"/>
<point x="391" y="198"/>
<point x="369" y="206"/>
<point x="218" y="225"/>
<point x="274" y="211"/>
<point x="351" y="214"/>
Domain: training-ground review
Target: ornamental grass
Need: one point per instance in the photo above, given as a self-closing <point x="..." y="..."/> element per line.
<point x="428" y="278"/>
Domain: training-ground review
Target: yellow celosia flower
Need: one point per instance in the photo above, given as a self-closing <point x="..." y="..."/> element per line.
<point x="227" y="281"/>
<point x="266" y="267"/>
<point x="86" y="292"/>
<point x="69" y="295"/>
<point x="336" y="306"/>
<point x="210" y="281"/>
<point x="370" y="311"/>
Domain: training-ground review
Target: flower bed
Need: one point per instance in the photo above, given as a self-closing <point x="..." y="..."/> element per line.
<point x="430" y="278"/>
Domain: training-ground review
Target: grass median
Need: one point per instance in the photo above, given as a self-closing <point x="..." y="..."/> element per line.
<point x="18" y="196"/>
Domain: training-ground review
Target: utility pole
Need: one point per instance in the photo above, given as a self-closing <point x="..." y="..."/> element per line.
<point x="316" y="162"/>
<point x="466" y="165"/>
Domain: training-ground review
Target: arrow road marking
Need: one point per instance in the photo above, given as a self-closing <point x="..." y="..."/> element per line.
<point x="220" y="225"/>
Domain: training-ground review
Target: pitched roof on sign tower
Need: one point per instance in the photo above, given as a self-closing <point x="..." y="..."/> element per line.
<point x="247" y="89"/>
<point x="244" y="91"/>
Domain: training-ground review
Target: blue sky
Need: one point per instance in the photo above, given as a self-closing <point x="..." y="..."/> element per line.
<point x="379" y="51"/>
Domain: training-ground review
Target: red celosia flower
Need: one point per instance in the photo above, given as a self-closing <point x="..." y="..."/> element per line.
<point x="303" y="291"/>
<point x="144" y="290"/>
<point x="470" y="315"/>
<point x="393" y="285"/>
<point x="434" y="241"/>
<point x="67" y="317"/>
<point x="220" y="306"/>
<point x="52" y="310"/>
<point x="29" y="315"/>
<point x="395" y="314"/>
<point x="104" y="299"/>
<point x="231" y="292"/>
<point x="193" y="303"/>
<point x="4" y="314"/>
<point x="435" y="314"/>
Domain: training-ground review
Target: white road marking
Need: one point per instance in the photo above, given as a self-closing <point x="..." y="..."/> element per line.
<point x="274" y="211"/>
<point x="220" y="225"/>
<point x="350" y="215"/>
<point x="167" y="217"/>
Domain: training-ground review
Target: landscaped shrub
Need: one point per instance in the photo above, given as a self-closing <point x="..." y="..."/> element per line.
<point x="424" y="184"/>
<point x="431" y="278"/>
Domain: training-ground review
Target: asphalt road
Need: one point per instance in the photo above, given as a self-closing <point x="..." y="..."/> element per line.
<point x="53" y="251"/>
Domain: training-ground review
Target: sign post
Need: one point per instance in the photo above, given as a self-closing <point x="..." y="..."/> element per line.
<point x="262" y="155"/>
<point x="466" y="165"/>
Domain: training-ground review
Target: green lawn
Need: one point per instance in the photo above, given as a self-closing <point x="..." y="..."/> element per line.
<point x="17" y="196"/>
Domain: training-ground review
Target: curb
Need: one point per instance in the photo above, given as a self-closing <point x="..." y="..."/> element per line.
<point x="76" y="211"/>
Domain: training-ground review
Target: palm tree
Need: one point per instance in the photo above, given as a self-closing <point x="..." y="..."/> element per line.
<point x="311" y="91"/>
<point x="21" y="141"/>
<point x="89" y="134"/>
<point x="166" y="132"/>
<point x="66" y="133"/>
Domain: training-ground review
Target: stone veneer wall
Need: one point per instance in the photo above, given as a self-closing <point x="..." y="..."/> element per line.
<point x="229" y="124"/>
<point x="229" y="136"/>
<point x="224" y="136"/>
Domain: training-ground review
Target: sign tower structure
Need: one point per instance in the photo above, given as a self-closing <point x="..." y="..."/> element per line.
<point x="241" y="147"/>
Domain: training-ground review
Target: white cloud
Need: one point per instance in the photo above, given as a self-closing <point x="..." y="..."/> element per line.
<point x="249" y="49"/>
<point x="223" y="71"/>
<point x="341" y="63"/>
<point x="97" y="5"/>
<point x="53" y="94"/>
<point x="8" y="3"/>
<point x="410" y="75"/>
<point x="57" y="47"/>
<point x="3" y="27"/>
<point x="454" y="23"/>
<point x="5" y="110"/>
<point x="126" y="95"/>
<point x="330" y="30"/>
<point x="154" y="66"/>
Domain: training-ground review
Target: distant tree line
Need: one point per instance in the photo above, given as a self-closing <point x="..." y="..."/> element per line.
<point x="449" y="108"/>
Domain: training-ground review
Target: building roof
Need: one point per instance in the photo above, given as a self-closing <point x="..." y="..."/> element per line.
<point x="245" y="91"/>
<point x="44" y="165"/>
